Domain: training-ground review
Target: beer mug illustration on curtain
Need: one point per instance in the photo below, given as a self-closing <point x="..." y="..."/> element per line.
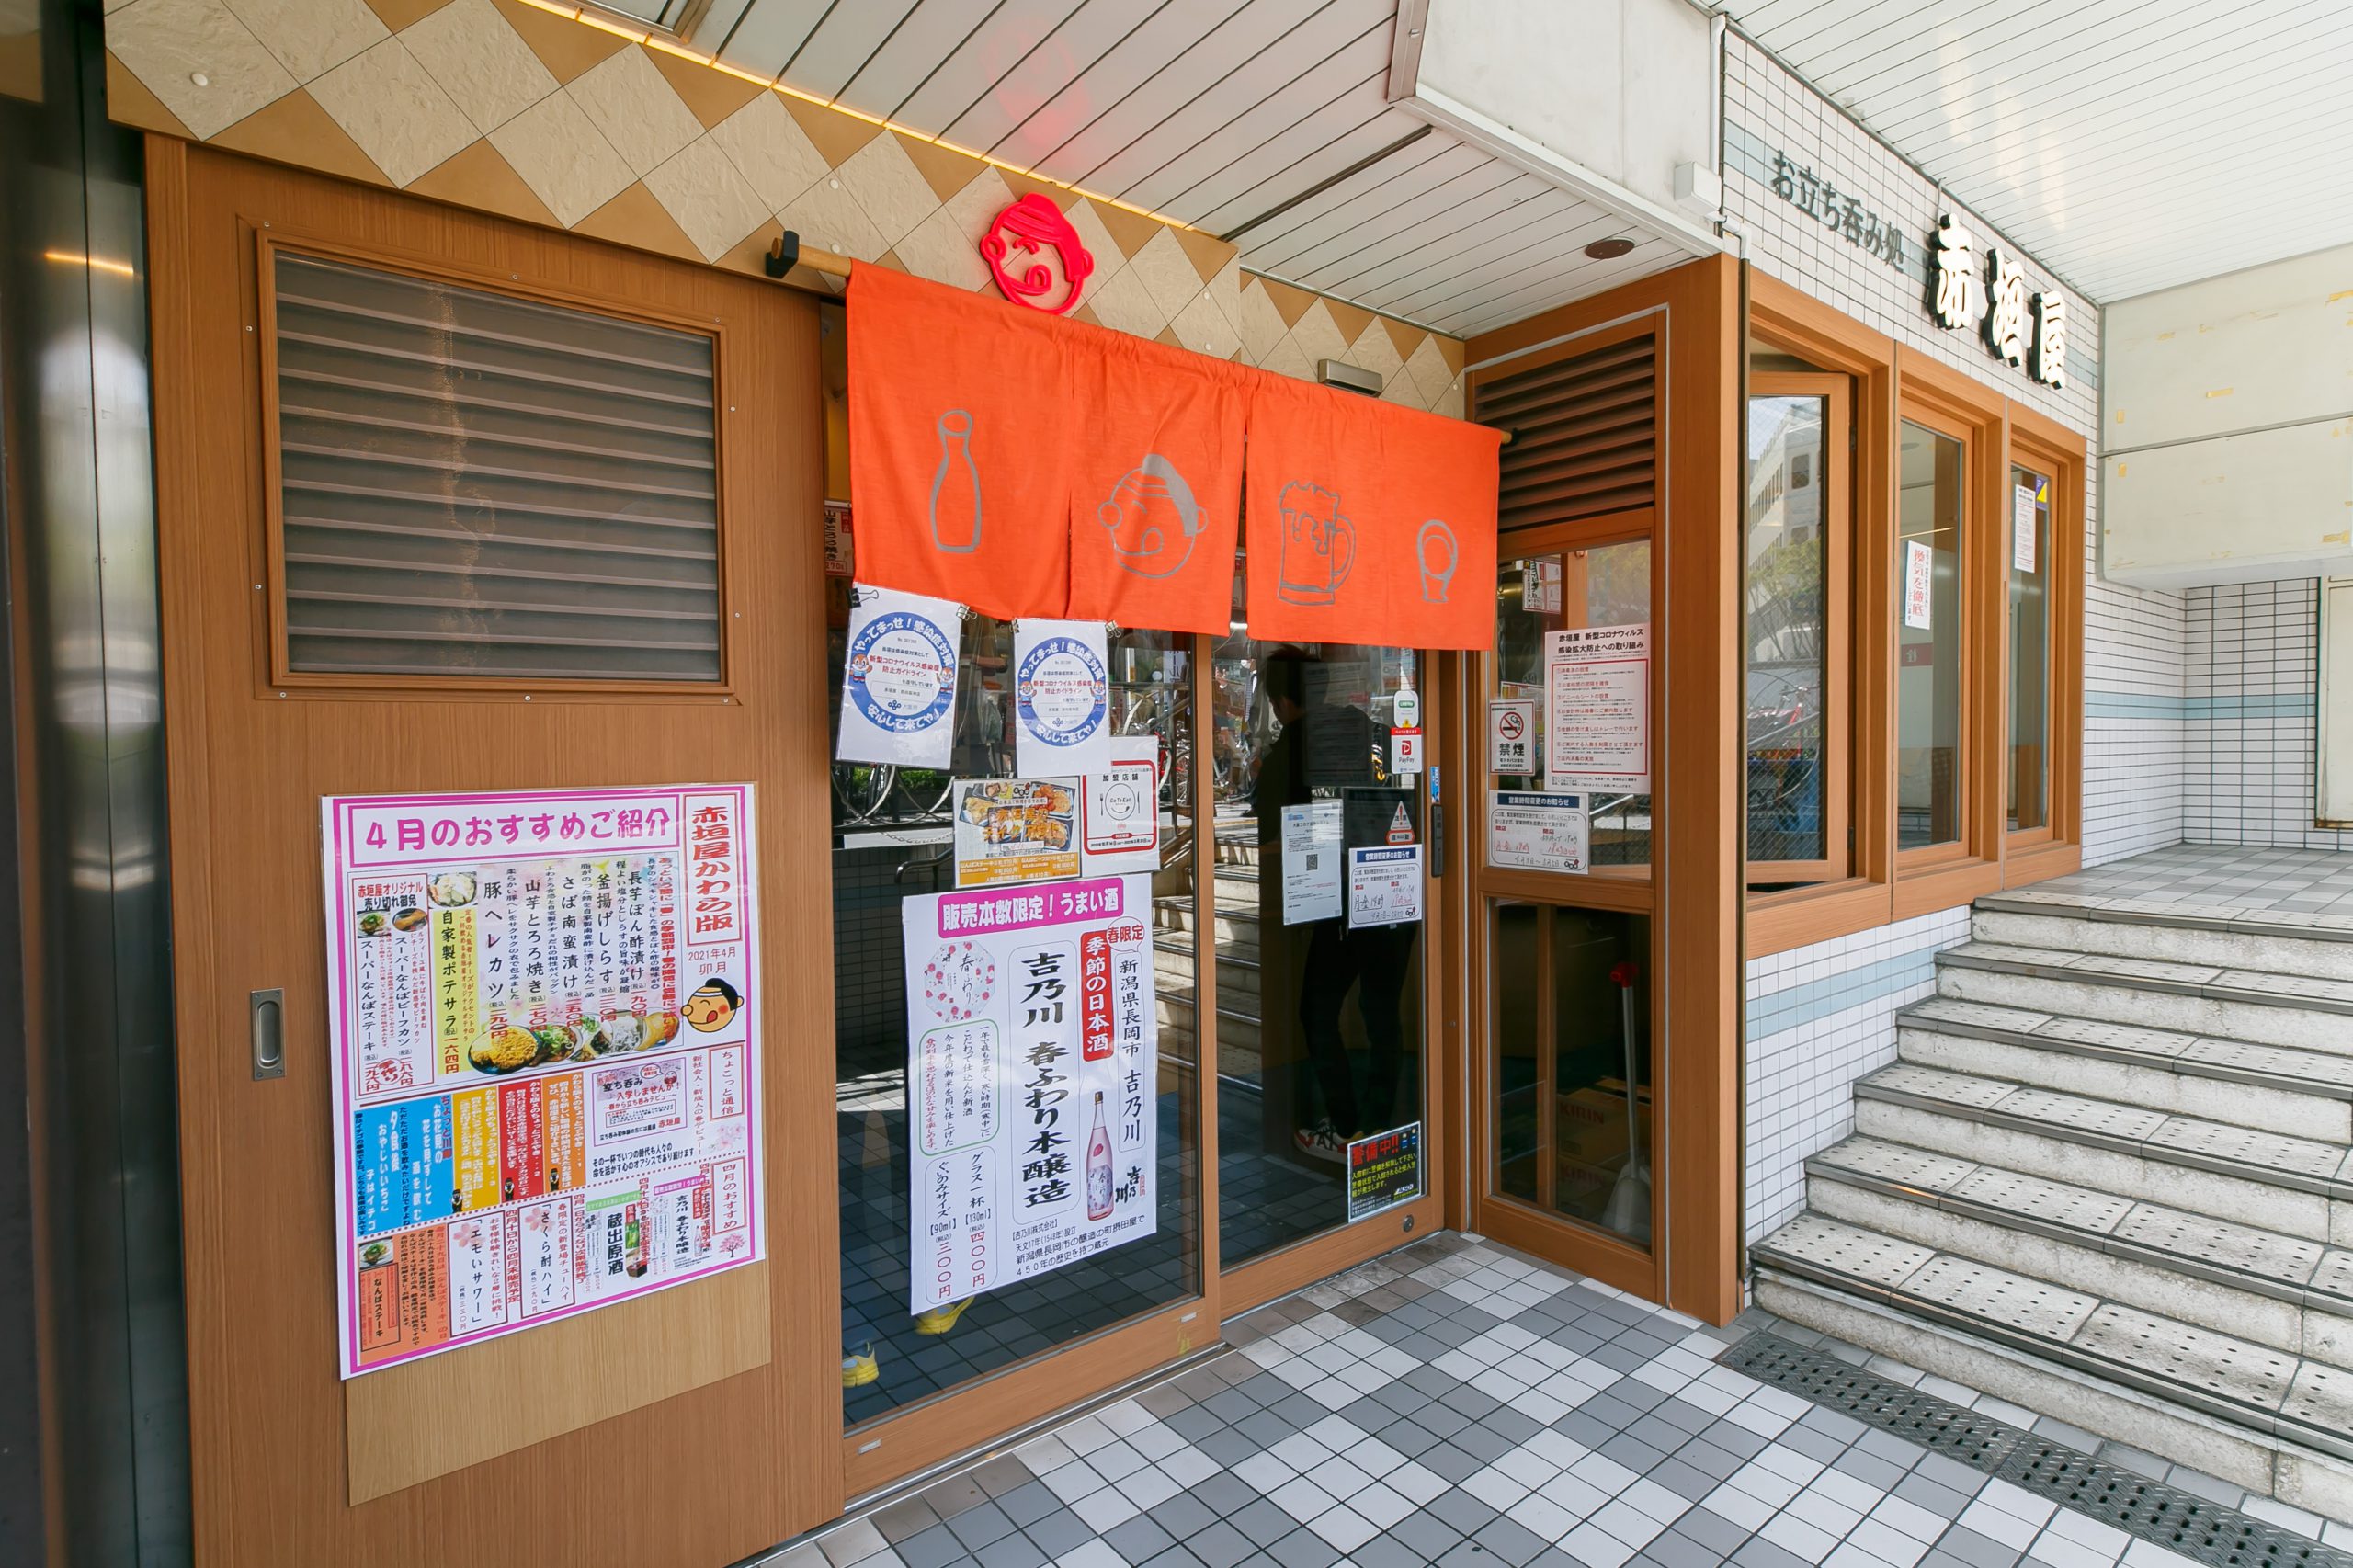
<point x="956" y="487"/>
<point x="1437" y="564"/>
<point x="1319" y="545"/>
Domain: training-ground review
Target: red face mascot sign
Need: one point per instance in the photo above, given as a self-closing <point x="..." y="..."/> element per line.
<point x="1052" y="265"/>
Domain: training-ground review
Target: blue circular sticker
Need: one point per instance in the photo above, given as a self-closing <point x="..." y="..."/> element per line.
<point x="902" y="670"/>
<point x="1063" y="691"/>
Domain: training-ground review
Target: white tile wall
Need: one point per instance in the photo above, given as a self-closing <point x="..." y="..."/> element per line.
<point x="1821" y="1017"/>
<point x="2251" y="731"/>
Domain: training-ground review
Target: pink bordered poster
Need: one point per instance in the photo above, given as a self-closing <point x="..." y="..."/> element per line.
<point x="542" y="1008"/>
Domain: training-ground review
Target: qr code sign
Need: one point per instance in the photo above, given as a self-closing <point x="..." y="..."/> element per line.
<point x="1315" y="862"/>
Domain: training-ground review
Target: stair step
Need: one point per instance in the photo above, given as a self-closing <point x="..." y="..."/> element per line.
<point x="2283" y="1291"/>
<point x="2304" y="1094"/>
<point x="2262" y="1006"/>
<point x="2287" y="942"/>
<point x="2235" y="1380"/>
<point x="2297" y="1184"/>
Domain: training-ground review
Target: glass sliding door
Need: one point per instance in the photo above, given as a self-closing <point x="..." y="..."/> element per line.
<point x="1930" y="691"/>
<point x="2026" y="773"/>
<point x="893" y="839"/>
<point x="1319" y="1019"/>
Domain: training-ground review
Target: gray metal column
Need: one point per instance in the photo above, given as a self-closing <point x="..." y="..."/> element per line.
<point x="98" y="1185"/>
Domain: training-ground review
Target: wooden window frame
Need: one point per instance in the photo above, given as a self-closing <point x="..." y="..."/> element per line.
<point x="1891" y="385"/>
<point x="1838" y="639"/>
<point x="276" y="666"/>
<point x="2042" y="444"/>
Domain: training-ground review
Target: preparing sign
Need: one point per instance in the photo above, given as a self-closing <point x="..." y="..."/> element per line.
<point x="1384" y="1170"/>
<point x="1015" y="830"/>
<point x="1511" y="738"/>
<point x="1312" y="856"/>
<point x="899" y="679"/>
<point x="1062" y="694"/>
<point x="1119" y="810"/>
<point x="546" y="1067"/>
<point x="1385" y="886"/>
<point x="1597" y="708"/>
<point x="1537" y="832"/>
<point x="1032" y="1110"/>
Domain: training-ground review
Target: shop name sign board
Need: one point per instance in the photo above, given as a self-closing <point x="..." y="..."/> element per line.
<point x="544" y="1058"/>
<point x="2028" y="330"/>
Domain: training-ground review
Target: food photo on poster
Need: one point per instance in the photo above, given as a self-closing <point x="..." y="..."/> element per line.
<point x="542" y="1008"/>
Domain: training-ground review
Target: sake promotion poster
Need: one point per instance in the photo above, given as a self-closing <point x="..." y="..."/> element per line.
<point x="1032" y="1044"/>
<point x="541" y="1010"/>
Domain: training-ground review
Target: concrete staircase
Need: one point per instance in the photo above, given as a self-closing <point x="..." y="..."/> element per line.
<point x="2110" y="1178"/>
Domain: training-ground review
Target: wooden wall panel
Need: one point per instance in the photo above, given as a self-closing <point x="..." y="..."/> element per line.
<point x="749" y="1453"/>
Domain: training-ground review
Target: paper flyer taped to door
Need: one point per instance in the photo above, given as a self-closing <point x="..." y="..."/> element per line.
<point x="1032" y="1119"/>
<point x="899" y="679"/>
<point x="544" y="1069"/>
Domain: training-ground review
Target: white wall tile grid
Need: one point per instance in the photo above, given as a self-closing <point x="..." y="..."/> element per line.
<point x="2132" y="745"/>
<point x="1455" y="1404"/>
<point x="1817" y="1018"/>
<point x="2251" y="726"/>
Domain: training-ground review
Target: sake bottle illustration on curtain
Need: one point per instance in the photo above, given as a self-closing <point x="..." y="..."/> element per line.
<point x="1098" y="1166"/>
<point x="956" y="487"/>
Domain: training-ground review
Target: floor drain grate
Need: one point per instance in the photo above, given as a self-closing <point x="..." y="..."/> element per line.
<point x="2180" y="1521"/>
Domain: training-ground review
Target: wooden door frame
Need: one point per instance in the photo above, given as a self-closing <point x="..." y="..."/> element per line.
<point x="1693" y="1264"/>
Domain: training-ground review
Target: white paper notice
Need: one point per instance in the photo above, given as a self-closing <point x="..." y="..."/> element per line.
<point x="1061" y="698"/>
<point x="1312" y="857"/>
<point x="1597" y="708"/>
<point x="1537" y="832"/>
<point x="1119" y="810"/>
<point x="1385" y="886"/>
<point x="1919" y="570"/>
<point x="899" y="680"/>
<point x="1511" y="738"/>
<point x="2024" y="512"/>
<point x="1032" y="1110"/>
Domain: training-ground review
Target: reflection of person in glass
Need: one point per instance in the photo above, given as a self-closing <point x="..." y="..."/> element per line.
<point x="1328" y="742"/>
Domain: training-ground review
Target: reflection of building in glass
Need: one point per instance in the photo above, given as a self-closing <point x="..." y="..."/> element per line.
<point x="1786" y="640"/>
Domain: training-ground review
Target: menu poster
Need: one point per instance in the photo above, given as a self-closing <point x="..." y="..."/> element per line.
<point x="839" y="560"/>
<point x="545" y="1062"/>
<point x="1385" y="886"/>
<point x="1015" y="830"/>
<point x="1032" y="1119"/>
<point x="1536" y="832"/>
<point x="1311" y="857"/>
<point x="1119" y="810"/>
<point x="1597" y="708"/>
<point x="899" y="679"/>
<point x="1061" y="698"/>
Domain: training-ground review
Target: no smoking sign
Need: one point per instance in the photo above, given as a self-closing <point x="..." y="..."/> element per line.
<point x="1511" y="737"/>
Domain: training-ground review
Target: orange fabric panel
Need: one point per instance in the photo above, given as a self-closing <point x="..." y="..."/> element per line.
<point x="959" y="447"/>
<point x="1369" y="523"/>
<point x="1157" y="473"/>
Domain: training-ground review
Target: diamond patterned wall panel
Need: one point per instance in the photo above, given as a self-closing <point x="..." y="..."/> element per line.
<point x="503" y="107"/>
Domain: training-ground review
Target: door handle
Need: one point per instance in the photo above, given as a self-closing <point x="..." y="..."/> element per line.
<point x="266" y="1020"/>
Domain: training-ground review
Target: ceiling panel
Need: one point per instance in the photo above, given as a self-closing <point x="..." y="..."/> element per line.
<point x="2128" y="144"/>
<point x="1264" y="119"/>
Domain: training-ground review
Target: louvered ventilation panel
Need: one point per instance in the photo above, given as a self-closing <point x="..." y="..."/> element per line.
<point x="478" y="486"/>
<point x="1583" y="435"/>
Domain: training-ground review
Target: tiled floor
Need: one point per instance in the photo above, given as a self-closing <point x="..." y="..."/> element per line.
<point x="1455" y="1404"/>
<point x="2222" y="876"/>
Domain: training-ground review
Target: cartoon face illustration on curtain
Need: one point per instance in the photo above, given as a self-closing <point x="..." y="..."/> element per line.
<point x="1319" y="545"/>
<point x="1153" y="517"/>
